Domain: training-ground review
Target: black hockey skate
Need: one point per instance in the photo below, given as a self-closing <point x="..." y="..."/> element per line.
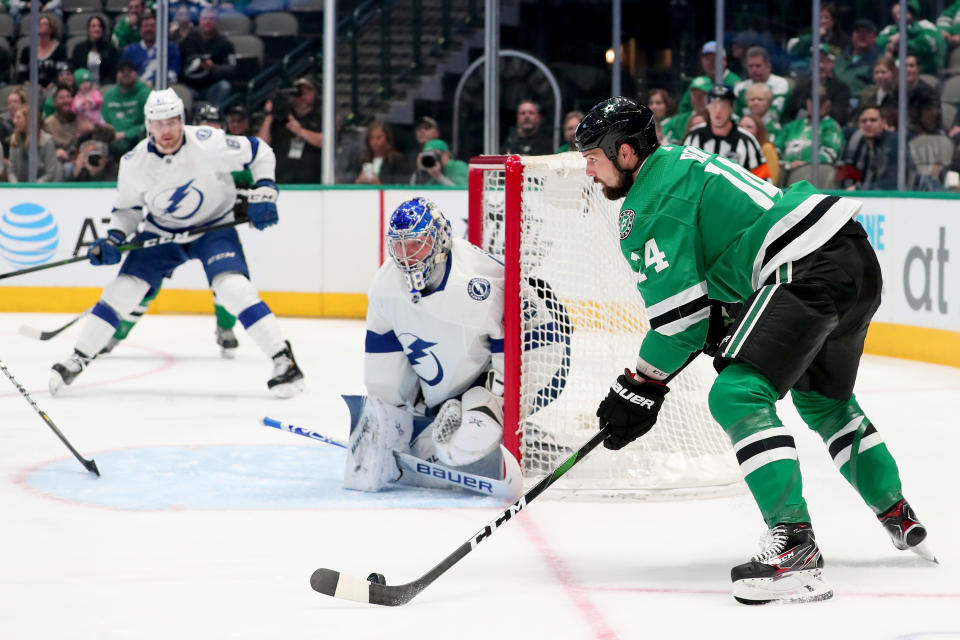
<point x="789" y="569"/>
<point x="63" y="373"/>
<point x="227" y="341"/>
<point x="906" y="532"/>
<point x="287" y="380"/>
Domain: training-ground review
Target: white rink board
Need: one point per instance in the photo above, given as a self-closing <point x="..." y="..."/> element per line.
<point x="327" y="241"/>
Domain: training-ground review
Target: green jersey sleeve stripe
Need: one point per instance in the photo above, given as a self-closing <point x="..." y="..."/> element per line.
<point x="683" y="323"/>
<point x="677" y="300"/>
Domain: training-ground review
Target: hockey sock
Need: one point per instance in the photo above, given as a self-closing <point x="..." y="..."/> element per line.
<point x="855" y="445"/>
<point x="742" y="401"/>
<point x="97" y="329"/>
<point x="128" y="321"/>
<point x="225" y="319"/>
<point x="262" y="327"/>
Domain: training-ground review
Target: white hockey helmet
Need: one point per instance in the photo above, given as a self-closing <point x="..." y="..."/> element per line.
<point x="163" y="104"/>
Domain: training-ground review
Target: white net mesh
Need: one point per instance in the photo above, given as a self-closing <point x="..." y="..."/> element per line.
<point x="570" y="254"/>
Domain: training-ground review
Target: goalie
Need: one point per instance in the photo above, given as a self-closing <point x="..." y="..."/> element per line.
<point x="434" y="355"/>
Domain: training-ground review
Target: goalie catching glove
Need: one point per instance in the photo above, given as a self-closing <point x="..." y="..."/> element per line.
<point x="630" y="408"/>
<point x="262" y="208"/>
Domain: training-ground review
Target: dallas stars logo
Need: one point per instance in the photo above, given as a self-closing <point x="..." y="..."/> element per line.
<point x="610" y="108"/>
<point x="625" y="222"/>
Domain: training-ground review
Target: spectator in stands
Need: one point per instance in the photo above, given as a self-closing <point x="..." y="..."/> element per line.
<point x="528" y="138"/>
<point x="923" y="38"/>
<point x="294" y="130"/>
<point x="238" y="121"/>
<point x="722" y="136"/>
<point x="794" y="144"/>
<point x="19" y="8"/>
<point x="64" y="77"/>
<point x="93" y="163"/>
<point x="759" y="97"/>
<point x="755" y="126"/>
<point x="143" y="54"/>
<point x="572" y="120"/>
<point x="15" y="99"/>
<point x="883" y="92"/>
<point x="920" y="96"/>
<point x="127" y="29"/>
<point x="382" y="163"/>
<point x="425" y="130"/>
<point x="49" y="52"/>
<point x="123" y="109"/>
<point x="837" y="91"/>
<point x="210" y="61"/>
<point x="97" y="53"/>
<point x="62" y="126"/>
<point x="87" y="104"/>
<point x="695" y="120"/>
<point x="677" y="128"/>
<point x="855" y="67"/>
<point x="435" y="166"/>
<point x="760" y="71"/>
<point x="869" y="159"/>
<point x="831" y="35"/>
<point x="948" y="23"/>
<point x="708" y="61"/>
<point x="182" y="25"/>
<point x="48" y="167"/>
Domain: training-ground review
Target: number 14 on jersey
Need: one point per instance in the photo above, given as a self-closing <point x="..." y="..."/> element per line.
<point x="652" y="257"/>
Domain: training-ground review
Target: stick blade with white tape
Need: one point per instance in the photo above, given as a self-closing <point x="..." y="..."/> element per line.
<point x="337" y="585"/>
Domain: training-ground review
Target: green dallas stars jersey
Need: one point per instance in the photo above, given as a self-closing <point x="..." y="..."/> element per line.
<point x="698" y="227"/>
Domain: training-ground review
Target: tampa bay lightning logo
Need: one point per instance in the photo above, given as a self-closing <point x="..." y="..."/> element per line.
<point x="179" y="202"/>
<point x="479" y="288"/>
<point x="203" y="133"/>
<point x="423" y="361"/>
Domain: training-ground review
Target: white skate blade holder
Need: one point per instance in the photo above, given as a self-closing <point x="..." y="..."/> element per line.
<point x="791" y="587"/>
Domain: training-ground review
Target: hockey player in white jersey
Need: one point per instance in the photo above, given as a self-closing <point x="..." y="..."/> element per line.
<point x="176" y="180"/>
<point x="434" y="348"/>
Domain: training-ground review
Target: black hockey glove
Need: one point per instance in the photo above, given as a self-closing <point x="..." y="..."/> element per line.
<point x="630" y="408"/>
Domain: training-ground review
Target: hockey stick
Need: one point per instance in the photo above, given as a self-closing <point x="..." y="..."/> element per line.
<point x="375" y="591"/>
<point x="37" y="334"/>
<point x="412" y="467"/>
<point x="89" y="465"/>
<point x="179" y="238"/>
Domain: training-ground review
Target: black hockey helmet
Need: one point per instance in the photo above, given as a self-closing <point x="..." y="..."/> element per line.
<point x="614" y="122"/>
<point x="207" y="112"/>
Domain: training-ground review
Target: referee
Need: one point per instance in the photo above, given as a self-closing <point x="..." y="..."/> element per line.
<point x="722" y="136"/>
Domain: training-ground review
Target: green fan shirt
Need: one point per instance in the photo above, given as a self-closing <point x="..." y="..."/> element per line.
<point x="697" y="227"/>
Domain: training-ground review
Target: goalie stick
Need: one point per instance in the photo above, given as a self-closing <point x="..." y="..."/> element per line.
<point x="375" y="591"/>
<point x="412" y="467"/>
<point x="89" y="465"/>
<point x="38" y="334"/>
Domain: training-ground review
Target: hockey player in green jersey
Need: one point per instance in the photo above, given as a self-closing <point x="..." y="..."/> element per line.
<point x="699" y="229"/>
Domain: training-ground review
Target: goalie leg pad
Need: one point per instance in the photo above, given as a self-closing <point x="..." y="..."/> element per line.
<point x="380" y="431"/>
<point x="480" y="431"/>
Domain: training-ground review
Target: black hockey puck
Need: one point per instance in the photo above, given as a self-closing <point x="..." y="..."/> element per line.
<point x="376" y="578"/>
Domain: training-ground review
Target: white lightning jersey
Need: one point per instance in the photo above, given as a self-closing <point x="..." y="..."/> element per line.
<point x="440" y="345"/>
<point x="190" y="188"/>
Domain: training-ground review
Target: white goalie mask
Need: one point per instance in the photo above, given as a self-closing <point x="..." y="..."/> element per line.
<point x="418" y="239"/>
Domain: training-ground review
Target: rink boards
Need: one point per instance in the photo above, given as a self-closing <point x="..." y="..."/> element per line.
<point x="318" y="262"/>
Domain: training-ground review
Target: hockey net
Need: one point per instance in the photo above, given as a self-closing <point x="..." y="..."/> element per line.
<point x="557" y="234"/>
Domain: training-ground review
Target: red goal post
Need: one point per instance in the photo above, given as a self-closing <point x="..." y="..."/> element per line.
<point x="558" y="238"/>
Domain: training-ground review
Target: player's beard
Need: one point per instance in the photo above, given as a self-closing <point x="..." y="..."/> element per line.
<point x="620" y="189"/>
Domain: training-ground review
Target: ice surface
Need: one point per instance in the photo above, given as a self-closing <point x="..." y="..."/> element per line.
<point x="207" y="525"/>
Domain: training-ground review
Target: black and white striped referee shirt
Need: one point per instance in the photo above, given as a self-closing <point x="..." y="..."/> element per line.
<point x="739" y="145"/>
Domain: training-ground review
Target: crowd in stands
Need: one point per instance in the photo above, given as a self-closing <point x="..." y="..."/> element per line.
<point x="760" y="115"/>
